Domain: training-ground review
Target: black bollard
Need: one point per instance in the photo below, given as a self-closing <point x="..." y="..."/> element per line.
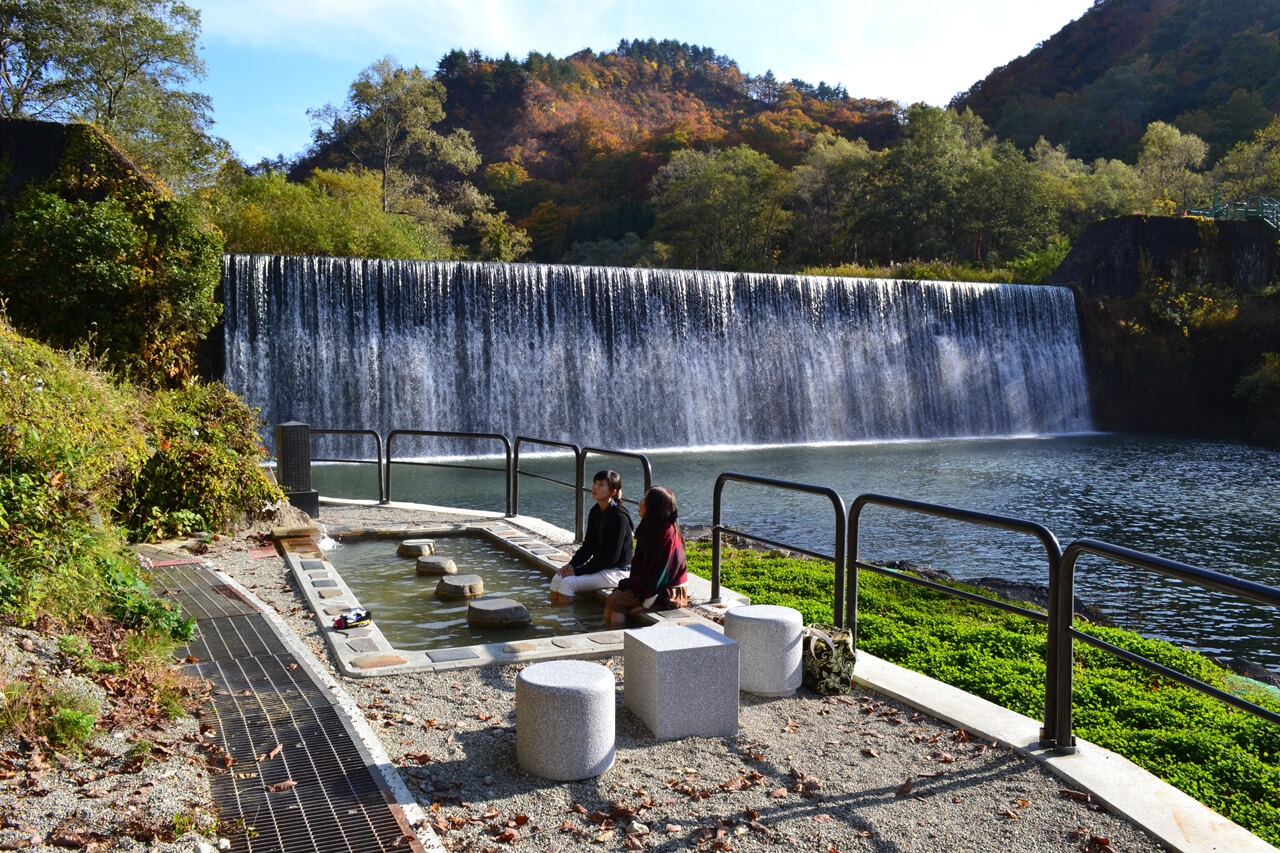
<point x="293" y="466"/>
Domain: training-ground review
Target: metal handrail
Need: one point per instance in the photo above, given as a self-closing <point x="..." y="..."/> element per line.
<point x="620" y="454"/>
<point x="1057" y="664"/>
<point x="376" y="461"/>
<point x="837" y="503"/>
<point x="1260" y="207"/>
<point x="1256" y="592"/>
<point x="488" y="436"/>
<point x="516" y="474"/>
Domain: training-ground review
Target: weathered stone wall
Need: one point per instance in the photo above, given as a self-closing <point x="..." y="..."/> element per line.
<point x="33" y="152"/>
<point x="1145" y="375"/>
<point x="30" y="152"/>
<point x="1112" y="256"/>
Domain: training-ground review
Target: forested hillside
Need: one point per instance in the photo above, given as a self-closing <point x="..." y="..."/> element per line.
<point x="570" y="146"/>
<point x="1209" y="67"/>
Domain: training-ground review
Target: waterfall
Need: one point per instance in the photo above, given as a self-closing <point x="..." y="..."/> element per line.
<point x="647" y="358"/>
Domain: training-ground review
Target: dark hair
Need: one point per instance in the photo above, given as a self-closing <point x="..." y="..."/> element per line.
<point x="613" y="478"/>
<point x="660" y="505"/>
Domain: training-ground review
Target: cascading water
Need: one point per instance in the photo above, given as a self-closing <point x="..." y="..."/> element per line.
<point x="647" y="358"/>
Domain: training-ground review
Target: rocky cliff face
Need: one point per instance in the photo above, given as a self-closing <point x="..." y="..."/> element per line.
<point x="1173" y="313"/>
<point x="1114" y="257"/>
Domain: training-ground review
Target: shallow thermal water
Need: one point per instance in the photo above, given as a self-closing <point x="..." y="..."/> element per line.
<point x="406" y="609"/>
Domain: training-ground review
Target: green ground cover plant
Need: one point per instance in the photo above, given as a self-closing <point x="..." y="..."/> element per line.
<point x="89" y="463"/>
<point x="1227" y="759"/>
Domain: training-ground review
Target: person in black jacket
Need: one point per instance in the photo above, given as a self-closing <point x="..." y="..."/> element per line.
<point x="605" y="555"/>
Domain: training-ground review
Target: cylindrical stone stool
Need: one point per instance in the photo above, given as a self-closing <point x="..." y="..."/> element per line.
<point x="565" y="719"/>
<point x="460" y="586"/>
<point x="486" y="612"/>
<point x="769" y="647"/>
<point x="431" y="565"/>
<point x="416" y="548"/>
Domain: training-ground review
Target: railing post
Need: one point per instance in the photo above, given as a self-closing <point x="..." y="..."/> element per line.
<point x="390" y="436"/>
<point x="515" y="483"/>
<point x="715" y="539"/>
<point x="1056" y="732"/>
<point x="513" y="480"/>
<point x="579" y="474"/>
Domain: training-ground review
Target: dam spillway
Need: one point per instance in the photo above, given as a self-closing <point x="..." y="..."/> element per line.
<point x="647" y="358"/>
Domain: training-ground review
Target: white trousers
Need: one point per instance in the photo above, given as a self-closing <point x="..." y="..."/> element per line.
<point x="573" y="584"/>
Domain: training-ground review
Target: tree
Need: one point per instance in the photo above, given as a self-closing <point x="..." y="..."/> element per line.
<point x="30" y="35"/>
<point x="123" y="65"/>
<point x="917" y="204"/>
<point x="1251" y="168"/>
<point x="822" y="186"/>
<point x="332" y="213"/>
<point x="114" y="265"/>
<point x="386" y="126"/>
<point x="722" y="209"/>
<point x="1165" y="165"/>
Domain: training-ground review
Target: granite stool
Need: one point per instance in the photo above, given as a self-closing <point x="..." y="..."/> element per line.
<point x="565" y="719"/>
<point x="769" y="646"/>
<point x="416" y="548"/>
<point x="681" y="680"/>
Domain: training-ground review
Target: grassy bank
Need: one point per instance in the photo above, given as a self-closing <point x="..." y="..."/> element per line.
<point x="1227" y="759"/>
<point x="88" y="464"/>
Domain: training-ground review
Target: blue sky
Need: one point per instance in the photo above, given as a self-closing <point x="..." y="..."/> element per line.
<point x="268" y="61"/>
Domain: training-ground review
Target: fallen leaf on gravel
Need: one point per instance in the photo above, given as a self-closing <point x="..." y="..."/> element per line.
<point x="1022" y="803"/>
<point x="282" y="786"/>
<point x="604" y="836"/>
<point x="634" y="843"/>
<point x="1082" y="796"/>
<point x="778" y="794"/>
<point x="579" y="808"/>
<point x="905" y="789"/>
<point x="1009" y="813"/>
<point x="420" y="757"/>
<point x="490" y="814"/>
<point x="869" y="752"/>
<point x="484" y="718"/>
<point x="821" y="818"/>
<point x="511" y="836"/>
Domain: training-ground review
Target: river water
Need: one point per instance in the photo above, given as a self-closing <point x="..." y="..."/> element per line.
<point x="1202" y="502"/>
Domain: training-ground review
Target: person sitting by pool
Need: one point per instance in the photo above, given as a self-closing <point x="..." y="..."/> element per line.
<point x="658" y="579"/>
<point x="605" y="555"/>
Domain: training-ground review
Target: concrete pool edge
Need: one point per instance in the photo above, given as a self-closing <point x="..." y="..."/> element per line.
<point x="366" y="653"/>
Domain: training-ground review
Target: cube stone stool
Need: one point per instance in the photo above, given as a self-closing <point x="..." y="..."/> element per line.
<point x="770" y="646"/>
<point x="681" y="680"/>
<point x="565" y="719"/>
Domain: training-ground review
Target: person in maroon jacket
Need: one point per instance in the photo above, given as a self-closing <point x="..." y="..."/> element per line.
<point x="658" y="579"/>
<point x="605" y="555"/>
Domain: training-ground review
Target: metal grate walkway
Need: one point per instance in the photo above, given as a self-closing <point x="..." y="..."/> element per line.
<point x="268" y="706"/>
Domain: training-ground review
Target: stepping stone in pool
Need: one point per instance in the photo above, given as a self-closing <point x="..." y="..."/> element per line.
<point x="497" y="613"/>
<point x="416" y="548"/>
<point x="436" y="566"/>
<point x="460" y="586"/>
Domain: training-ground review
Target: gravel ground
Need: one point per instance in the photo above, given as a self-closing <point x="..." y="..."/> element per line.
<point x="119" y="791"/>
<point x="851" y="773"/>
